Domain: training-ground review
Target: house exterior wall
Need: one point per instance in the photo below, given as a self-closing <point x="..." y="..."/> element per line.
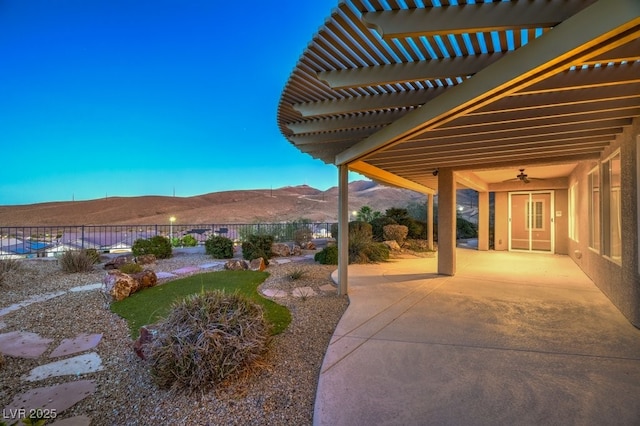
<point x="619" y="281"/>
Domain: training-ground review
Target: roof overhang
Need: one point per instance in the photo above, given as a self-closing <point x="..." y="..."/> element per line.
<point x="397" y="92"/>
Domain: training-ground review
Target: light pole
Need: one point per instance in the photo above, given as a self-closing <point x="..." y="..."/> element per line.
<point x="171" y="220"/>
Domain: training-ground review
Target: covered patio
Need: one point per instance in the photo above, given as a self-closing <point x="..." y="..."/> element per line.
<point x="535" y="102"/>
<point x="512" y="338"/>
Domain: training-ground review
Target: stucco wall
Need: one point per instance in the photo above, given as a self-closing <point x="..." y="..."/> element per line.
<point x="621" y="283"/>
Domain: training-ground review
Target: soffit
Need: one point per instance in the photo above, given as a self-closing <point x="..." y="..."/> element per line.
<point x="403" y="88"/>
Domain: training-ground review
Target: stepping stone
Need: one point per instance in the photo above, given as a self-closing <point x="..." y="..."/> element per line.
<point x="87" y="287"/>
<point x="272" y="292"/>
<point x="31" y="300"/>
<point x="186" y="270"/>
<point x="23" y="344"/>
<point x="280" y="261"/>
<point x="57" y="397"/>
<point x="303" y="292"/>
<point x="73" y="421"/>
<point x="328" y="287"/>
<point x="81" y="364"/>
<point x="165" y="275"/>
<point x="83" y="342"/>
<point x="212" y="265"/>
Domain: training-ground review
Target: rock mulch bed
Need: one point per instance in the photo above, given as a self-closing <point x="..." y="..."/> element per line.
<point x="119" y="388"/>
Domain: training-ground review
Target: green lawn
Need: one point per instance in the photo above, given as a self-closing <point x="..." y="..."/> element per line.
<point x="152" y="304"/>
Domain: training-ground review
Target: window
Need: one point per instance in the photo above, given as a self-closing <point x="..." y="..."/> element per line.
<point x="613" y="237"/>
<point x="533" y="218"/>
<point x="573" y="212"/>
<point x="594" y="209"/>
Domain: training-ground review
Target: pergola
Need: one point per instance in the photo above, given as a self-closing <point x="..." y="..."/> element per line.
<point x="432" y="95"/>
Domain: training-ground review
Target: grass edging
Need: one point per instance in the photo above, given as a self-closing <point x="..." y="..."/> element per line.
<point x="152" y="304"/>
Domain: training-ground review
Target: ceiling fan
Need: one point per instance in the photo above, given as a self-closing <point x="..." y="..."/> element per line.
<point x="522" y="176"/>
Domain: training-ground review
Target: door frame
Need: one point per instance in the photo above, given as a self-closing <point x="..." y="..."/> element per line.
<point x="552" y="224"/>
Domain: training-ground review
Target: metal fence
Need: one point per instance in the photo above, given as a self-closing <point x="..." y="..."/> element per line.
<point x="47" y="241"/>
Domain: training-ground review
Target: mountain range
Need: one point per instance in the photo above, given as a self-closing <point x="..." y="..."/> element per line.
<point x="226" y="207"/>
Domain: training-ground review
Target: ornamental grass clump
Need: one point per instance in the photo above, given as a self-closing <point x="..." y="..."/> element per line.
<point x="77" y="261"/>
<point x="207" y="338"/>
<point x="8" y="267"/>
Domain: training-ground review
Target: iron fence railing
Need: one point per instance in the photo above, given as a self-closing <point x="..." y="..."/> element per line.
<point x="46" y="241"/>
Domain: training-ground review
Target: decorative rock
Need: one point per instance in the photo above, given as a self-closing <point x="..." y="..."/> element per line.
<point x="392" y="244"/>
<point x="23" y="344"/>
<point x="118" y="262"/>
<point x="73" y="421"/>
<point x="257" y="264"/>
<point x="280" y="250"/>
<point x="296" y="250"/>
<point x="82" y="342"/>
<point x="81" y="364"/>
<point x="146" y="336"/>
<point x="120" y="285"/>
<point x="236" y="265"/>
<point x="308" y="245"/>
<point x="145" y="279"/>
<point x="303" y="292"/>
<point x="57" y="397"/>
<point x="146" y="259"/>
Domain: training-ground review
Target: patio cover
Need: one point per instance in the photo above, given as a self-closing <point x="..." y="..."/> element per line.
<point x="402" y="90"/>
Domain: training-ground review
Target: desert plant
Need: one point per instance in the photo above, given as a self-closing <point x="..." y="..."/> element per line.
<point x="327" y="256"/>
<point x="302" y="236"/>
<point x="8" y="267"/>
<point x="398" y="233"/>
<point x="76" y="261"/>
<point x="189" y="241"/>
<point x="377" y="227"/>
<point x="334" y="230"/>
<point x="219" y="247"/>
<point x="158" y="246"/>
<point x="362" y="248"/>
<point x="130" y="268"/>
<point x="93" y="254"/>
<point x="297" y="274"/>
<point x="207" y="338"/>
<point x="257" y="246"/>
<point x="366" y="214"/>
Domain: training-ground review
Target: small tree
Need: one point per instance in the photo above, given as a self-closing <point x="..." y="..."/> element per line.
<point x="366" y="214"/>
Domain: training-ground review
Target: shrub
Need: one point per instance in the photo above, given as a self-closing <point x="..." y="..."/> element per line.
<point x="302" y="236"/>
<point x="207" y="338"/>
<point x="327" y="256"/>
<point x="376" y="252"/>
<point x="189" y="241"/>
<point x="93" y="254"/>
<point x="377" y="227"/>
<point x="219" y="247"/>
<point x="297" y="274"/>
<point x="395" y="232"/>
<point x="8" y="267"/>
<point x="76" y="261"/>
<point x="334" y="230"/>
<point x="130" y="268"/>
<point x="158" y="246"/>
<point x="363" y="229"/>
<point x="258" y="246"/>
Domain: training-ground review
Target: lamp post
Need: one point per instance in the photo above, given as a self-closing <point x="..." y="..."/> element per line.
<point x="171" y="220"/>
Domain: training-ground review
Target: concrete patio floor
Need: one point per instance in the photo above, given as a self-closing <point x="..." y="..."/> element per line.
<point x="513" y="338"/>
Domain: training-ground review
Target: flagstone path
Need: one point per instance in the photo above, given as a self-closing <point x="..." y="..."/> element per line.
<point x="57" y="398"/>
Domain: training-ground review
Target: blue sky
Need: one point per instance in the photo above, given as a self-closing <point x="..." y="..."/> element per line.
<point x="135" y="97"/>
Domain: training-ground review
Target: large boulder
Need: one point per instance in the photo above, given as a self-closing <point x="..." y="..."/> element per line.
<point x="120" y="285"/>
<point x="146" y="259"/>
<point x="145" y="279"/>
<point x="146" y="336"/>
<point x="296" y="250"/>
<point x="257" y="264"/>
<point x="392" y="244"/>
<point x="236" y="265"/>
<point x="280" y="249"/>
<point x="118" y="261"/>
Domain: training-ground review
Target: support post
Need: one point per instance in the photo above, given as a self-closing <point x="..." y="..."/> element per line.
<point x="430" y="200"/>
<point x="483" y="221"/>
<point x="343" y="228"/>
<point x="446" y="222"/>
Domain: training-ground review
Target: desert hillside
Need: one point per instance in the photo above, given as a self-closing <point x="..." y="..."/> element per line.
<point x="246" y="206"/>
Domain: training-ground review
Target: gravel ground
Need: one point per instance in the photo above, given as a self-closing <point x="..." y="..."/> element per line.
<point x="280" y="392"/>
